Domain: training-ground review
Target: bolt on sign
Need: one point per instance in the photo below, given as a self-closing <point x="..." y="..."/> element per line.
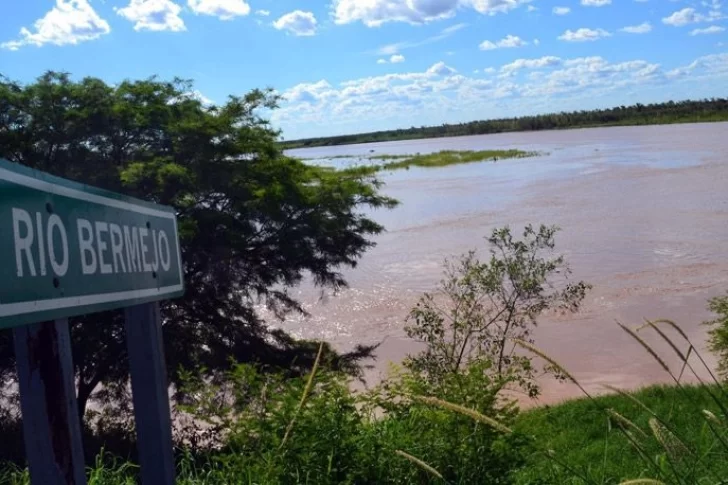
<point x="68" y="249"/>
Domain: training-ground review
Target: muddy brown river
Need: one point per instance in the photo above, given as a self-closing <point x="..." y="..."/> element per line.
<point x="644" y="213"/>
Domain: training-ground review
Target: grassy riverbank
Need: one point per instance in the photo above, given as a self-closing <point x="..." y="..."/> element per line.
<point x="576" y="442"/>
<point x="589" y="447"/>
<point x="689" y="111"/>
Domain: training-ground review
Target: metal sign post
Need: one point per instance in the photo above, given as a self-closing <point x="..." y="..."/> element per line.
<point x="67" y="249"/>
<point x="149" y="391"/>
<point x="45" y="376"/>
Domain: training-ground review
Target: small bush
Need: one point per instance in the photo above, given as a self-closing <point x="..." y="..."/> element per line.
<point x="482" y="307"/>
<point x="718" y="334"/>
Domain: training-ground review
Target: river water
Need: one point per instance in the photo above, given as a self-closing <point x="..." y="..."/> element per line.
<point x="644" y="213"/>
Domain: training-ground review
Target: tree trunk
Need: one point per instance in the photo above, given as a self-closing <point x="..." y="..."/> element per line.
<point x="82" y="396"/>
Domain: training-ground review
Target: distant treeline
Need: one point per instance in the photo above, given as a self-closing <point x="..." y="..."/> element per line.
<point x="715" y="109"/>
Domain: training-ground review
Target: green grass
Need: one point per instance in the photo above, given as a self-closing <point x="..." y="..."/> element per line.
<point x="595" y="450"/>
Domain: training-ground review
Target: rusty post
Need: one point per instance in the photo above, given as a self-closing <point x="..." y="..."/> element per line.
<point x="51" y="425"/>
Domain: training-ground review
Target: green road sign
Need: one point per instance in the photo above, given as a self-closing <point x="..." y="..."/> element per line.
<point x="68" y="249"/>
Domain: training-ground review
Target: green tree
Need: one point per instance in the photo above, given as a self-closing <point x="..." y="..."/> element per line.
<point x="481" y="306"/>
<point x="718" y="334"/>
<point x="252" y="221"/>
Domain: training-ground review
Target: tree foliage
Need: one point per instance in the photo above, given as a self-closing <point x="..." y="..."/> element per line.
<point x="481" y="306"/>
<point x="252" y="221"/>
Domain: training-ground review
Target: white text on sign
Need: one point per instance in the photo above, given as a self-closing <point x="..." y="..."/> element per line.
<point x="104" y="248"/>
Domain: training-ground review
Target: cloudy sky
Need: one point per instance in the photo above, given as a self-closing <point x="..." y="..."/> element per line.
<point x="347" y="66"/>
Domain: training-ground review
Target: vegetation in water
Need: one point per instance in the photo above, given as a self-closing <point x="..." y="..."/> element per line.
<point x="450" y="157"/>
<point x="430" y="160"/>
<point x="688" y="111"/>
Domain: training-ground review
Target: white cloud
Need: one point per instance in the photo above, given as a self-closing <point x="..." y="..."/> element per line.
<point x="531" y="8"/>
<point x="705" y="66"/>
<point x="381" y="61"/>
<point x="508" y="42"/>
<point x="595" y="3"/>
<point x="441" y="69"/>
<point x="155" y="15"/>
<point x="223" y="9"/>
<point x="453" y="28"/>
<point x="440" y="94"/>
<point x="262" y="13"/>
<point x="297" y="23"/>
<point x="197" y="95"/>
<point x="440" y="91"/>
<point x="715" y="10"/>
<point x="714" y="63"/>
<point x="545" y="61"/>
<point x="396" y="58"/>
<point x="561" y="10"/>
<point x="684" y="17"/>
<point x="642" y="28"/>
<point x="398" y="46"/>
<point x="492" y="7"/>
<point x="308" y="92"/>
<point x="713" y="29"/>
<point x="69" y="22"/>
<point x="374" y="13"/>
<point x="584" y="35"/>
<point x="588" y="73"/>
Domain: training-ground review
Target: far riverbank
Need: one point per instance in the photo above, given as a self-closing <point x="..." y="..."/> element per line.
<point x="670" y="112"/>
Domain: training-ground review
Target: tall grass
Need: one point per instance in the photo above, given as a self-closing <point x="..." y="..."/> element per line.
<point x="674" y="433"/>
<point x="304" y="395"/>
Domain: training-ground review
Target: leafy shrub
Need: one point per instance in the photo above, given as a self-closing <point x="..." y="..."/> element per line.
<point x="339" y="436"/>
<point x="481" y="307"/>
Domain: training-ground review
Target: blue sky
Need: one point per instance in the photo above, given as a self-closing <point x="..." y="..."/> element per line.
<point x="346" y="66"/>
